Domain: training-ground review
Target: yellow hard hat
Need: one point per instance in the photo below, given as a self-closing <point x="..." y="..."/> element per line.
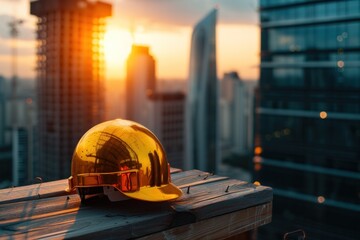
<point x="125" y="155"/>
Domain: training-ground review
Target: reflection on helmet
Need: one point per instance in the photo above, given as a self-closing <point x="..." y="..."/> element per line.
<point x="125" y="155"/>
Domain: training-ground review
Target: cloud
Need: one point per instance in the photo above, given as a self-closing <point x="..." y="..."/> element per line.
<point x="185" y="12"/>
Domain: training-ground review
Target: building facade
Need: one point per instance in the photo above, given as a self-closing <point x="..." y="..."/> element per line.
<point x="2" y="111"/>
<point x="236" y="115"/>
<point x="70" y="77"/>
<point x="140" y="84"/>
<point x="21" y="172"/>
<point x="161" y="112"/>
<point x="5" y="146"/>
<point x="6" y="166"/>
<point x="307" y="134"/>
<point x="24" y="172"/>
<point x="202" y="137"/>
<point x="168" y="113"/>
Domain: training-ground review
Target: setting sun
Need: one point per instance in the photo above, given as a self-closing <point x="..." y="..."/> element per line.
<point x="171" y="61"/>
<point x="117" y="46"/>
<point x="237" y="50"/>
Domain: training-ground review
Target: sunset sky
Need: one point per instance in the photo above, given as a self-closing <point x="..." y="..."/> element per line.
<point x="164" y="25"/>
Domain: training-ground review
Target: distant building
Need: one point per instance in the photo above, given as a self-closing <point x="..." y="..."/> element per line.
<point x="171" y="85"/>
<point x="2" y="111"/>
<point x="23" y="173"/>
<point x="5" y="148"/>
<point x="27" y="143"/>
<point x="23" y="153"/>
<point x="168" y="115"/>
<point x="6" y="166"/>
<point x="308" y="117"/>
<point x="161" y="112"/>
<point x="202" y="138"/>
<point x="70" y="77"/>
<point x="140" y="84"/>
<point x="236" y="115"/>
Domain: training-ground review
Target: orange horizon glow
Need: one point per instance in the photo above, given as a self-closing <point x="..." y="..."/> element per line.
<point x="237" y="50"/>
<point x="117" y="46"/>
<point x="238" y="46"/>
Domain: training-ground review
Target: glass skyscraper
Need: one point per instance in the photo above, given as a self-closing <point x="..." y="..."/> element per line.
<point x="70" y="77"/>
<point x="307" y="135"/>
<point x="140" y="84"/>
<point x="202" y="145"/>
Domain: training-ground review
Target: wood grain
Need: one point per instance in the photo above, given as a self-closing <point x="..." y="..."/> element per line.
<point x="41" y="190"/>
<point x="62" y="217"/>
<point x="194" y="177"/>
<point x="220" y="227"/>
<point x="212" y="207"/>
<point x="211" y="199"/>
<point x="35" y="191"/>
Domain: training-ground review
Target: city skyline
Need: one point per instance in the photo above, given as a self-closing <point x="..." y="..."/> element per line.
<point x="237" y="37"/>
<point x="296" y="130"/>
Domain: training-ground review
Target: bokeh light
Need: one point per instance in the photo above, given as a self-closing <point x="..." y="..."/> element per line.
<point x="321" y="199"/>
<point x="323" y="114"/>
<point x="258" y="150"/>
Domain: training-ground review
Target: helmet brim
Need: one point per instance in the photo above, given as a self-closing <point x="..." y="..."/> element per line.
<point x="155" y="194"/>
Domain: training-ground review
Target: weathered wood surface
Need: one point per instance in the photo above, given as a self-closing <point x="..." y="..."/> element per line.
<point x="40" y="190"/>
<point x="212" y="207"/>
<point x="220" y="227"/>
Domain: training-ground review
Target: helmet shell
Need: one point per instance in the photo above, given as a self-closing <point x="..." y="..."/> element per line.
<point x="125" y="155"/>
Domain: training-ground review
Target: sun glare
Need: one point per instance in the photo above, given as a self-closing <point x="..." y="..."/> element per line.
<point x="237" y="50"/>
<point x="170" y="59"/>
<point x="117" y="46"/>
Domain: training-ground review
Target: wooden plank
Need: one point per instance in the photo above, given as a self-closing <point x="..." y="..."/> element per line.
<point x="211" y="201"/>
<point x="35" y="191"/>
<point x="217" y="198"/>
<point x="41" y="190"/>
<point x="220" y="227"/>
<point x="61" y="217"/>
<point x="175" y="170"/>
<point x="129" y="221"/>
<point x="194" y="177"/>
<point x="34" y="209"/>
<point x="43" y="206"/>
